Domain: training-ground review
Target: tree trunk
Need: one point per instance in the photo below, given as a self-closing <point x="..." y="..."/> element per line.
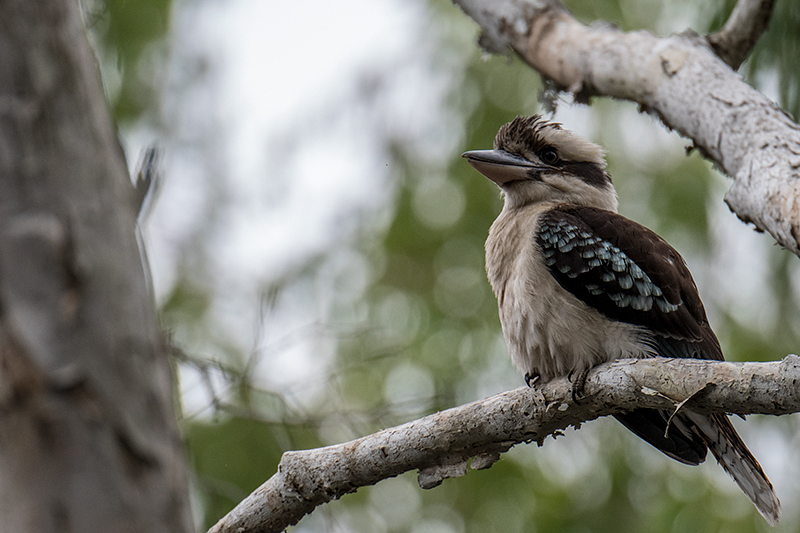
<point x="88" y="439"/>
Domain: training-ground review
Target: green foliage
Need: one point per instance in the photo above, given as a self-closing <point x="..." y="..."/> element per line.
<point x="233" y="456"/>
<point x="186" y="303"/>
<point x="132" y="32"/>
<point x="775" y="56"/>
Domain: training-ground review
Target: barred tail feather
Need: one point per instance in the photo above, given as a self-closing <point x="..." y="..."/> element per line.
<point x="734" y="457"/>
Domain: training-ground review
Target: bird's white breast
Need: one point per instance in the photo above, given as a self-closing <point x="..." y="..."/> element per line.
<point x="547" y="330"/>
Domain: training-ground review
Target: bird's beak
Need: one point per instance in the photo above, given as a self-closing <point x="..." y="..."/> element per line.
<point x="500" y="166"/>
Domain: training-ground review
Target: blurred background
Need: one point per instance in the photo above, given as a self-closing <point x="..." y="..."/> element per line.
<point x="317" y="251"/>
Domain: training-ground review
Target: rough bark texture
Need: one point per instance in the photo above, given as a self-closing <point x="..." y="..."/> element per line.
<point x="88" y="438"/>
<point x="681" y="80"/>
<point x="441" y="444"/>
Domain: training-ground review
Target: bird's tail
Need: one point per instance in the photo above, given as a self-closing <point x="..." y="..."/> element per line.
<point x="734" y="457"/>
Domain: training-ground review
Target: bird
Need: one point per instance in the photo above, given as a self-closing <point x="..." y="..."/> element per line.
<point x="578" y="284"/>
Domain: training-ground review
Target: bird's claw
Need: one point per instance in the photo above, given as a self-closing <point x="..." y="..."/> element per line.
<point x="531" y="378"/>
<point x="578" y="384"/>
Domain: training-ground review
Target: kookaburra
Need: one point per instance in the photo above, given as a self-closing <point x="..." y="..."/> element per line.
<point x="578" y="284"/>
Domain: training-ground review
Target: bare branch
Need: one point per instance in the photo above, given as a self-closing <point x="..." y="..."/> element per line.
<point x="440" y="445"/>
<point x="679" y="79"/>
<point x="734" y="42"/>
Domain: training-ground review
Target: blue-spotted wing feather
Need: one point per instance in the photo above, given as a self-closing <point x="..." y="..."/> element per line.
<point x="629" y="274"/>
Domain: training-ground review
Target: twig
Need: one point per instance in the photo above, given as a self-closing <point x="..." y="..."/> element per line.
<point x="748" y="20"/>
<point x="680" y="405"/>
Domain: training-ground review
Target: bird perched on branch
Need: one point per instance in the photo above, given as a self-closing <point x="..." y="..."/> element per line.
<point x="578" y="284"/>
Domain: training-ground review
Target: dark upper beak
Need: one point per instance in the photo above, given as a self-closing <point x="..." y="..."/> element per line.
<point x="500" y="166"/>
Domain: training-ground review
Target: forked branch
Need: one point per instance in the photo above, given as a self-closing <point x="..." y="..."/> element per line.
<point x="748" y="20"/>
<point x="681" y="80"/>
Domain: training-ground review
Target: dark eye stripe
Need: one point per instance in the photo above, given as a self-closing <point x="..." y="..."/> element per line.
<point x="590" y="173"/>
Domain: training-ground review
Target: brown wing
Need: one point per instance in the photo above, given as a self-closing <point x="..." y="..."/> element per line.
<point x="629" y="274"/>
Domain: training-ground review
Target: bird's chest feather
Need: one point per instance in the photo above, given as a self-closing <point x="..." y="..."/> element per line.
<point x="548" y="331"/>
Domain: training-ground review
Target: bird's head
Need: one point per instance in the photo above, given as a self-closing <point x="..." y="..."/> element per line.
<point x="538" y="161"/>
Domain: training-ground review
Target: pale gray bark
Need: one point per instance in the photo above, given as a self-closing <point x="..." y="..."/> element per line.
<point x="440" y="445"/>
<point x="88" y="437"/>
<point x="677" y="78"/>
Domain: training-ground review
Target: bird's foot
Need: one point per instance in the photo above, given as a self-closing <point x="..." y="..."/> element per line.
<point x="531" y="378"/>
<point x="578" y="384"/>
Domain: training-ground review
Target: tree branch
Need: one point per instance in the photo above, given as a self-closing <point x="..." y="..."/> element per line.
<point x="748" y="20"/>
<point x="440" y="445"/>
<point x="677" y="78"/>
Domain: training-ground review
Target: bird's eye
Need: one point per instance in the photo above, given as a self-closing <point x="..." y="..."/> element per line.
<point x="549" y="156"/>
